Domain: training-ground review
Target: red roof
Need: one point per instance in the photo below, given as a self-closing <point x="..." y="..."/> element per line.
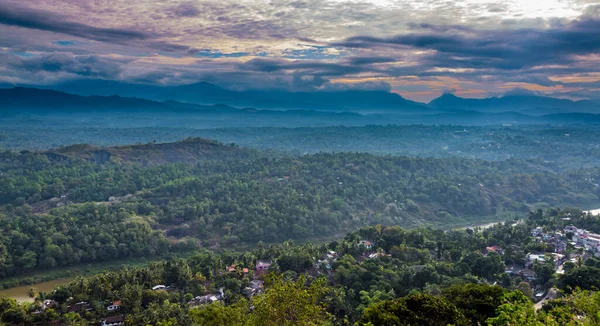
<point x="245" y="270"/>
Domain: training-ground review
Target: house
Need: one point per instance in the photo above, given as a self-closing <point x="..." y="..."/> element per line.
<point x="528" y="274"/>
<point x="588" y="240"/>
<point x="560" y="247"/>
<point x="202" y="299"/>
<point x="49" y="304"/>
<point x="114" y="321"/>
<point x="332" y="255"/>
<point x="511" y="270"/>
<point x="531" y="258"/>
<point x="262" y="266"/>
<point x="209" y="298"/>
<point x="248" y="291"/>
<point x="537" y="231"/>
<point x="245" y="270"/>
<point x="231" y="269"/>
<point x="257" y="285"/>
<point x="558" y="258"/>
<point x="366" y="243"/>
<point x="571" y="228"/>
<point x="114" y="306"/>
<point x="496" y="249"/>
<point x="159" y="287"/>
<point x="79" y="307"/>
<point x="377" y="255"/>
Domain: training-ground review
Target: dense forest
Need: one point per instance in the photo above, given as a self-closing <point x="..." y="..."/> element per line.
<point x="568" y="146"/>
<point x="422" y="276"/>
<point x="85" y="204"/>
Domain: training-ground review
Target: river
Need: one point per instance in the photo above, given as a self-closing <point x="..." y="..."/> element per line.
<point x="19" y="293"/>
<point x="594" y="211"/>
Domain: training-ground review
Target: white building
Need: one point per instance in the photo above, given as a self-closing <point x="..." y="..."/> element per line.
<point x="114" y="306"/>
<point x="532" y="258"/>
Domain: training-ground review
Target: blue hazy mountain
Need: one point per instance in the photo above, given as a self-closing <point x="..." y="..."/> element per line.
<point x="366" y="102"/>
<point x="527" y="104"/>
<point x="21" y="100"/>
<point x="207" y="93"/>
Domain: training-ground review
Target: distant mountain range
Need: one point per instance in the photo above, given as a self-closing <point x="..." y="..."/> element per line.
<point x="46" y="100"/>
<point x="206" y="93"/>
<point x="527" y="104"/>
<point x="302" y="109"/>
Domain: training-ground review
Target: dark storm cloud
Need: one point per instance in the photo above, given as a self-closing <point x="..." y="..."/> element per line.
<point x="82" y="65"/>
<point x="439" y="28"/>
<point x="48" y="21"/>
<point x="370" y="60"/>
<point x="51" y="22"/>
<point x="496" y="49"/>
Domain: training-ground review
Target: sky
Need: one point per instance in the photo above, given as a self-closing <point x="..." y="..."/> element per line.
<point x="418" y="49"/>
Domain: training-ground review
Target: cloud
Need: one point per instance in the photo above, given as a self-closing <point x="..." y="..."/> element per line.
<point x="495" y="49"/>
<point x="306" y="67"/>
<point x="64" y="43"/>
<point x="470" y="46"/>
<point x="91" y="66"/>
<point x="363" y="86"/>
<point x="12" y="15"/>
<point x="523" y="92"/>
<point x="47" y="21"/>
<point x="370" y="60"/>
<point x="187" y="9"/>
<point x="208" y="53"/>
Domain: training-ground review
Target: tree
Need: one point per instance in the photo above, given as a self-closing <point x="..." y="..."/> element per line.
<point x="584" y="278"/>
<point x="131" y="297"/>
<point x="588" y="303"/>
<point x="516" y="309"/>
<point x="477" y="302"/>
<point x="217" y="314"/>
<point x="414" y="309"/>
<point x="525" y="288"/>
<point x="32" y="293"/>
<point x="544" y="272"/>
<point x="290" y="303"/>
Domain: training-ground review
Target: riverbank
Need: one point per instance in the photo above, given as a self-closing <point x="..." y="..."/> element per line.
<point x="21" y="293"/>
<point x="36" y="277"/>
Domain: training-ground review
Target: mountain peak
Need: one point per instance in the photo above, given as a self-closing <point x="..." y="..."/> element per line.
<point x="445" y="99"/>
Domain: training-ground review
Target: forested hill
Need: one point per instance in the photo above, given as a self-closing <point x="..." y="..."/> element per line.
<point x="237" y="196"/>
<point x="191" y="150"/>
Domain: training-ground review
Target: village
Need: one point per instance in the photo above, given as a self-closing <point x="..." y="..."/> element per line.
<point x="569" y="247"/>
<point x="564" y="248"/>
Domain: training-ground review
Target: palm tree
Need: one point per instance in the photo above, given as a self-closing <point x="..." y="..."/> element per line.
<point x="32" y="293"/>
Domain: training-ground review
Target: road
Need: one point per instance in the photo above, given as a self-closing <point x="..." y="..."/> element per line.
<point x="551" y="295"/>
